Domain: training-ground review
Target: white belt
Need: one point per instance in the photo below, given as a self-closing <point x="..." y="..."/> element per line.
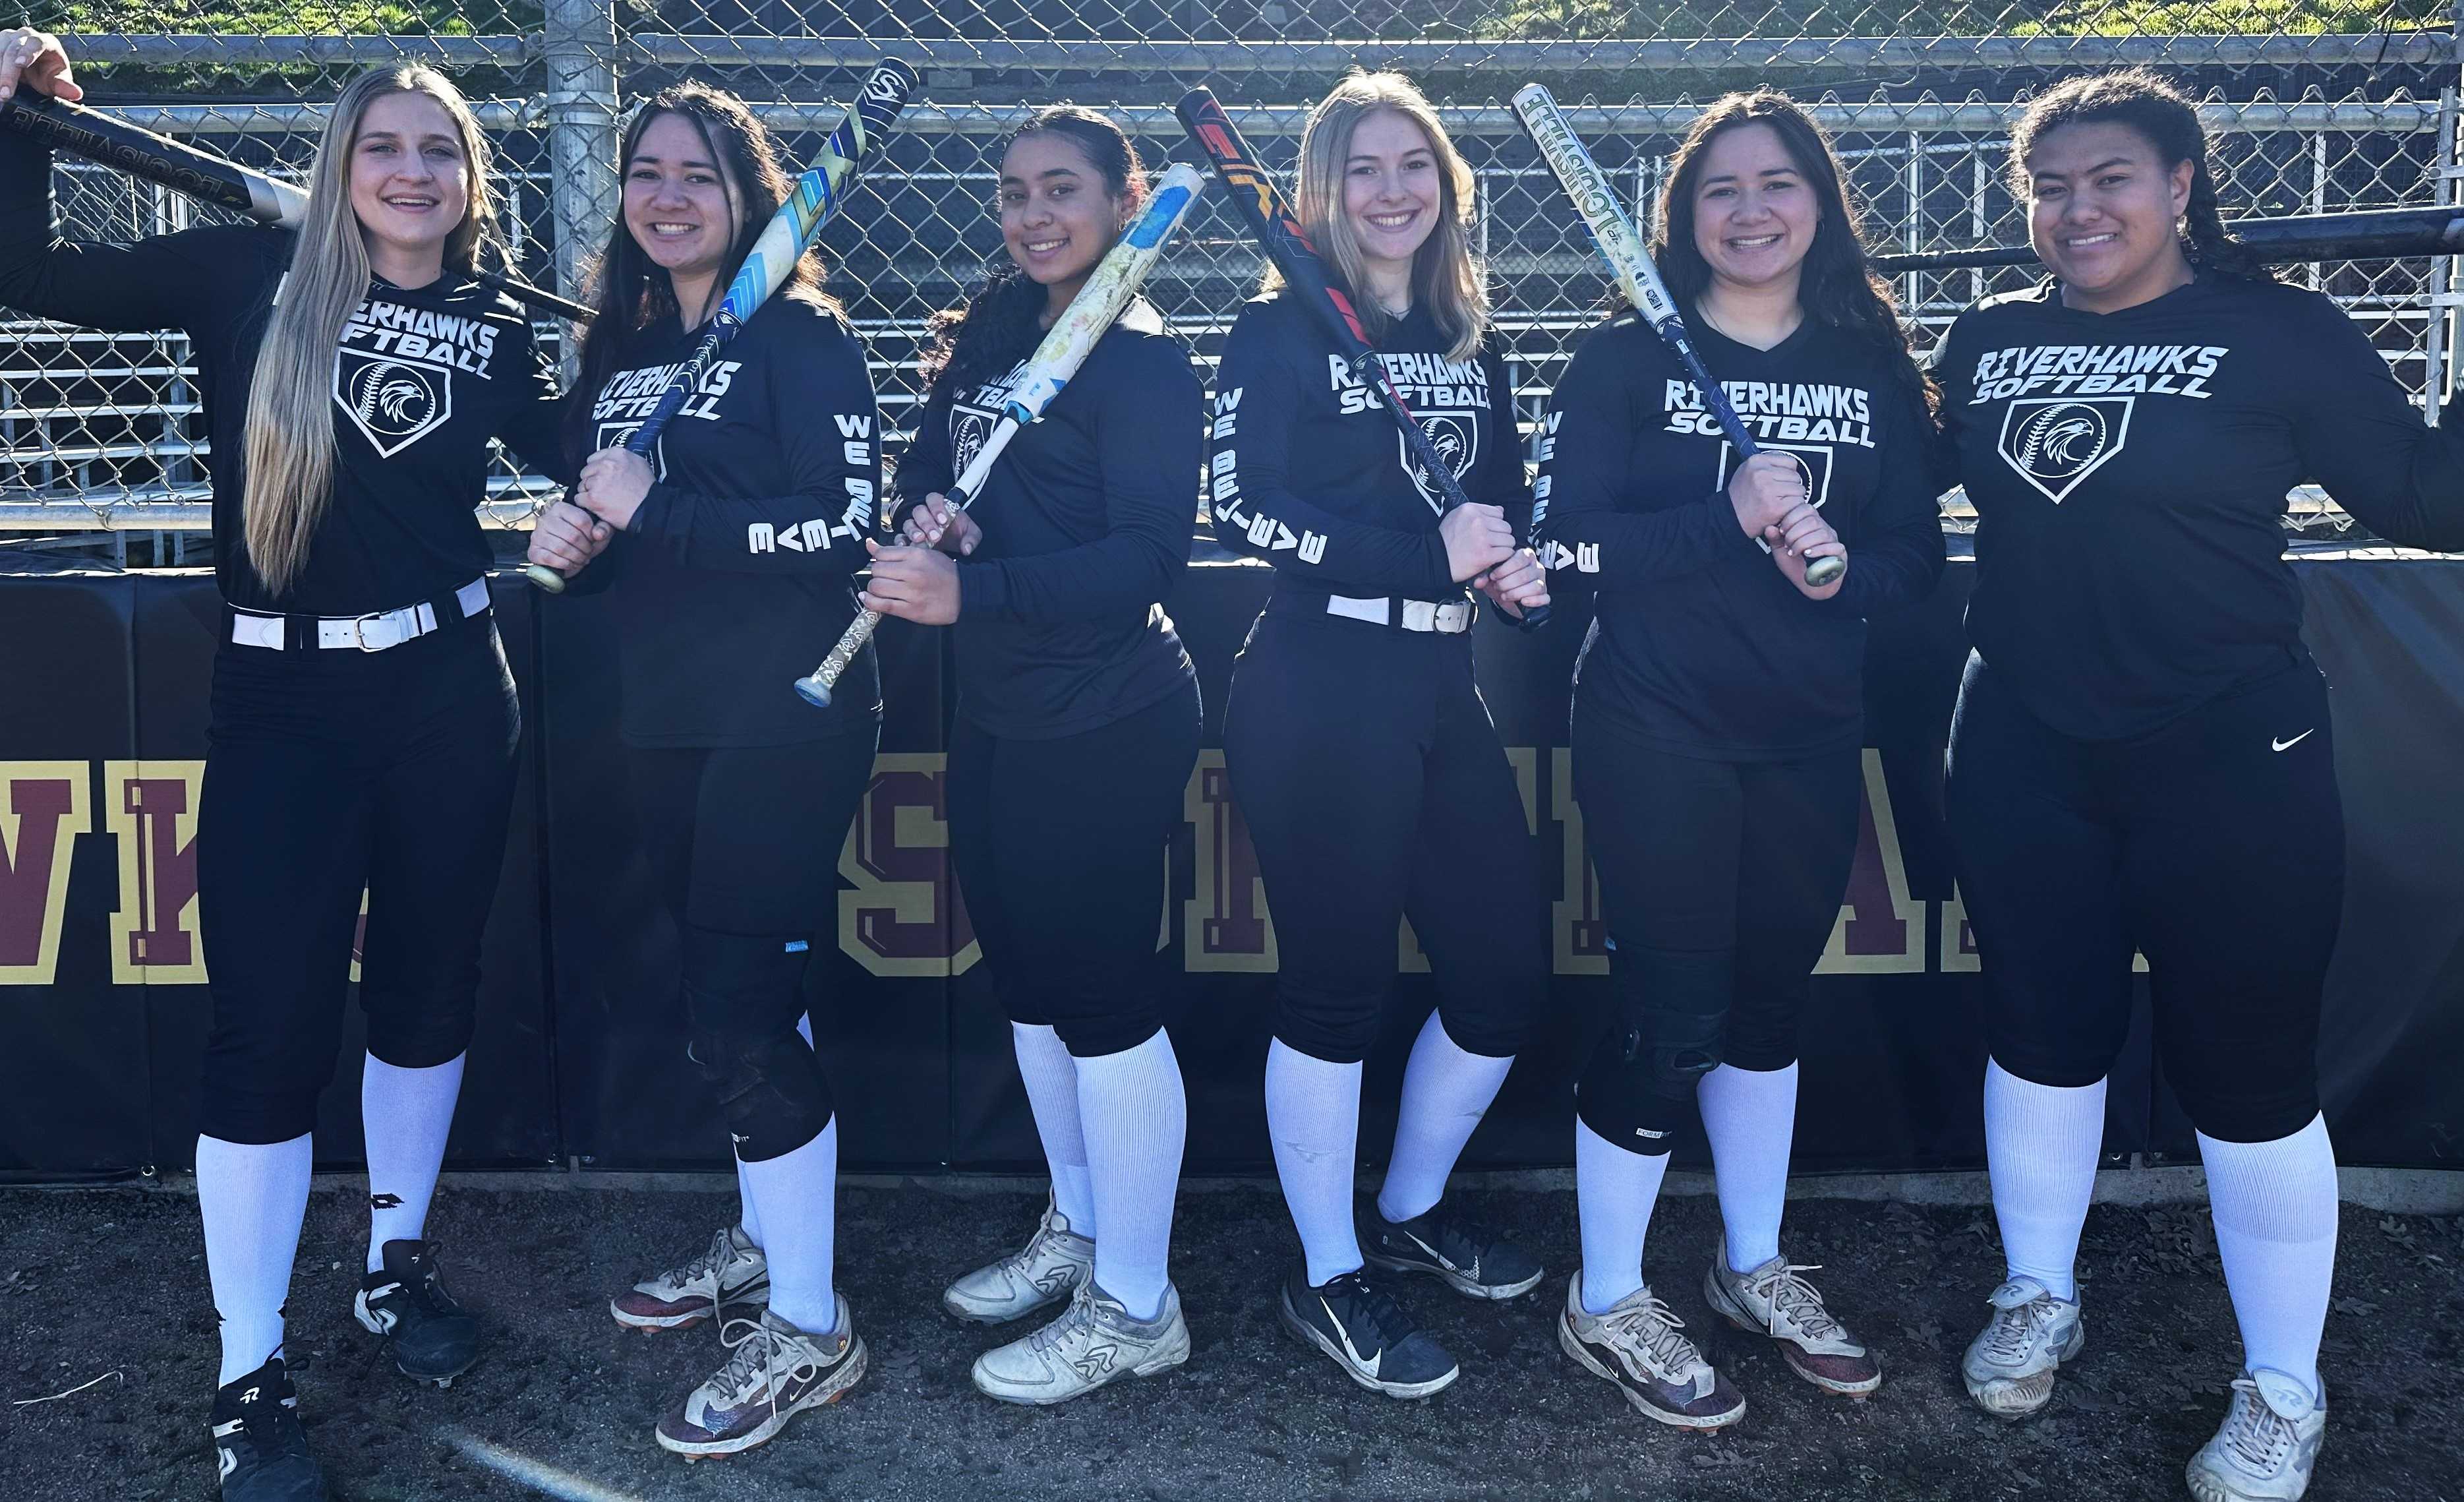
<point x="1450" y="619"/>
<point x="374" y="632"/>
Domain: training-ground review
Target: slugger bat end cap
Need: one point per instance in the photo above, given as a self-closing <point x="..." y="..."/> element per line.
<point x="546" y="578"/>
<point x="814" y="692"/>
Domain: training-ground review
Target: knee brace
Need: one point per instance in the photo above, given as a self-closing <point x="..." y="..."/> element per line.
<point x="743" y="994"/>
<point x="1664" y="1035"/>
<point x="1673" y="1006"/>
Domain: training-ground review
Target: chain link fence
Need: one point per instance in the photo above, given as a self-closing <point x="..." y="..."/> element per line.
<point x="2317" y="105"/>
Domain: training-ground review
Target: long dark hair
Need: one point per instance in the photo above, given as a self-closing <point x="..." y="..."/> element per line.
<point x="1002" y="320"/>
<point x="629" y="291"/>
<point x="2162" y="114"/>
<point x="1836" y="286"/>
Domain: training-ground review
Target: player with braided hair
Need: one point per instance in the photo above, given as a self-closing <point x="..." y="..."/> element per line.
<point x="2141" y="756"/>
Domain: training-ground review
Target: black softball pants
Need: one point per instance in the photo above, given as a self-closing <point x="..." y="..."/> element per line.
<point x="743" y="842"/>
<point x="330" y="773"/>
<point x="1374" y="788"/>
<point x="1720" y="883"/>
<point x="1059" y="845"/>
<point x="2216" y="847"/>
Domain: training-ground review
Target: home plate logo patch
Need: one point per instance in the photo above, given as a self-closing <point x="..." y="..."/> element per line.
<point x="1455" y="436"/>
<point x="2055" y="442"/>
<point x="970" y="426"/>
<point x="395" y="401"/>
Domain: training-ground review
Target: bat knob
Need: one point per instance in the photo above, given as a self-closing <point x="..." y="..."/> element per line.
<point x="546" y="578"/>
<point x="813" y="691"/>
<point x="1822" y="570"/>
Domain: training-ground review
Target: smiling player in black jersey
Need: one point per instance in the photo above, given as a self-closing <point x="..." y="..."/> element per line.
<point x="2143" y="755"/>
<point x="364" y="717"/>
<point x="1718" y="715"/>
<point x="1362" y="756"/>
<point x="1077" y="728"/>
<point x="728" y="556"/>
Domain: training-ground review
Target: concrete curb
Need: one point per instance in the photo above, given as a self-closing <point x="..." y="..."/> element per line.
<point x="2395" y="1191"/>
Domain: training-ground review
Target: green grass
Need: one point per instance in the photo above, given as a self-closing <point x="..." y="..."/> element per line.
<point x="1606" y="20"/>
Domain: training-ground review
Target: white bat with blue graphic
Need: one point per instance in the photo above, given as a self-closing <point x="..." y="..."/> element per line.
<point x="811" y="200"/>
<point x="1099" y="303"/>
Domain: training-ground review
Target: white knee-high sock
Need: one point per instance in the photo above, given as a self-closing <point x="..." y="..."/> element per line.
<point x="252" y="1197"/>
<point x="796" y="1197"/>
<point x="749" y="1218"/>
<point x="1135" y="1118"/>
<point x="2040" y="1145"/>
<point x="1052" y="1079"/>
<point x="406" y="1114"/>
<point x="1446" y="1091"/>
<point x="1313" y="1115"/>
<point x="1750" y="1117"/>
<point x="1613" y="1193"/>
<point x="2275" y="1211"/>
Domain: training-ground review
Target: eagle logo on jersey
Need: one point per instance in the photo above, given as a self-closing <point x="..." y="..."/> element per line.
<point x="1455" y="436"/>
<point x="2055" y="442"/>
<point x="969" y="429"/>
<point x="394" y="402"/>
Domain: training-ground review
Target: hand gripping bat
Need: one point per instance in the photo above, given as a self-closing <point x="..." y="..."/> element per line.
<point x="1108" y="289"/>
<point x="1622" y="248"/>
<point x="1278" y="231"/>
<point x="201" y="175"/>
<point x="811" y="200"/>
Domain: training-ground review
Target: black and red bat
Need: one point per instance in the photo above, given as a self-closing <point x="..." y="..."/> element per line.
<point x="201" y="175"/>
<point x="1279" y="233"/>
<point x="2361" y="234"/>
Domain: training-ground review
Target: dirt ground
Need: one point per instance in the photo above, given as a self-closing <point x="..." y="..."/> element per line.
<point x="113" y="1281"/>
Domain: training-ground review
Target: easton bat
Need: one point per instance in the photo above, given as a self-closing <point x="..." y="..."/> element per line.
<point x="1064" y="348"/>
<point x="202" y="176"/>
<point x="2363" y="234"/>
<point x="1621" y="246"/>
<point x="811" y="199"/>
<point x="1278" y="231"/>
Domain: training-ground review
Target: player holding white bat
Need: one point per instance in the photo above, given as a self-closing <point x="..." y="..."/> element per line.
<point x="724" y="559"/>
<point x="1718" y="716"/>
<point x="1077" y="729"/>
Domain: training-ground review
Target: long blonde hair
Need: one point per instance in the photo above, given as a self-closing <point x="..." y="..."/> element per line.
<point x="1446" y="277"/>
<point x="290" y="403"/>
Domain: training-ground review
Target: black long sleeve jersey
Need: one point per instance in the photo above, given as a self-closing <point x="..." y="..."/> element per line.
<point x="2129" y="472"/>
<point x="424" y="378"/>
<point x="1699" y="645"/>
<point x="1310" y="474"/>
<point x="1087" y="521"/>
<point x="734" y="575"/>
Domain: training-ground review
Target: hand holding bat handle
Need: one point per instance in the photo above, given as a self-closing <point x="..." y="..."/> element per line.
<point x="1622" y="248"/>
<point x="811" y="200"/>
<point x="1064" y="348"/>
<point x="816" y="687"/>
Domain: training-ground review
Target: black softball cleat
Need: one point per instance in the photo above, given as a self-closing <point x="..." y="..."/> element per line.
<point x="431" y="1337"/>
